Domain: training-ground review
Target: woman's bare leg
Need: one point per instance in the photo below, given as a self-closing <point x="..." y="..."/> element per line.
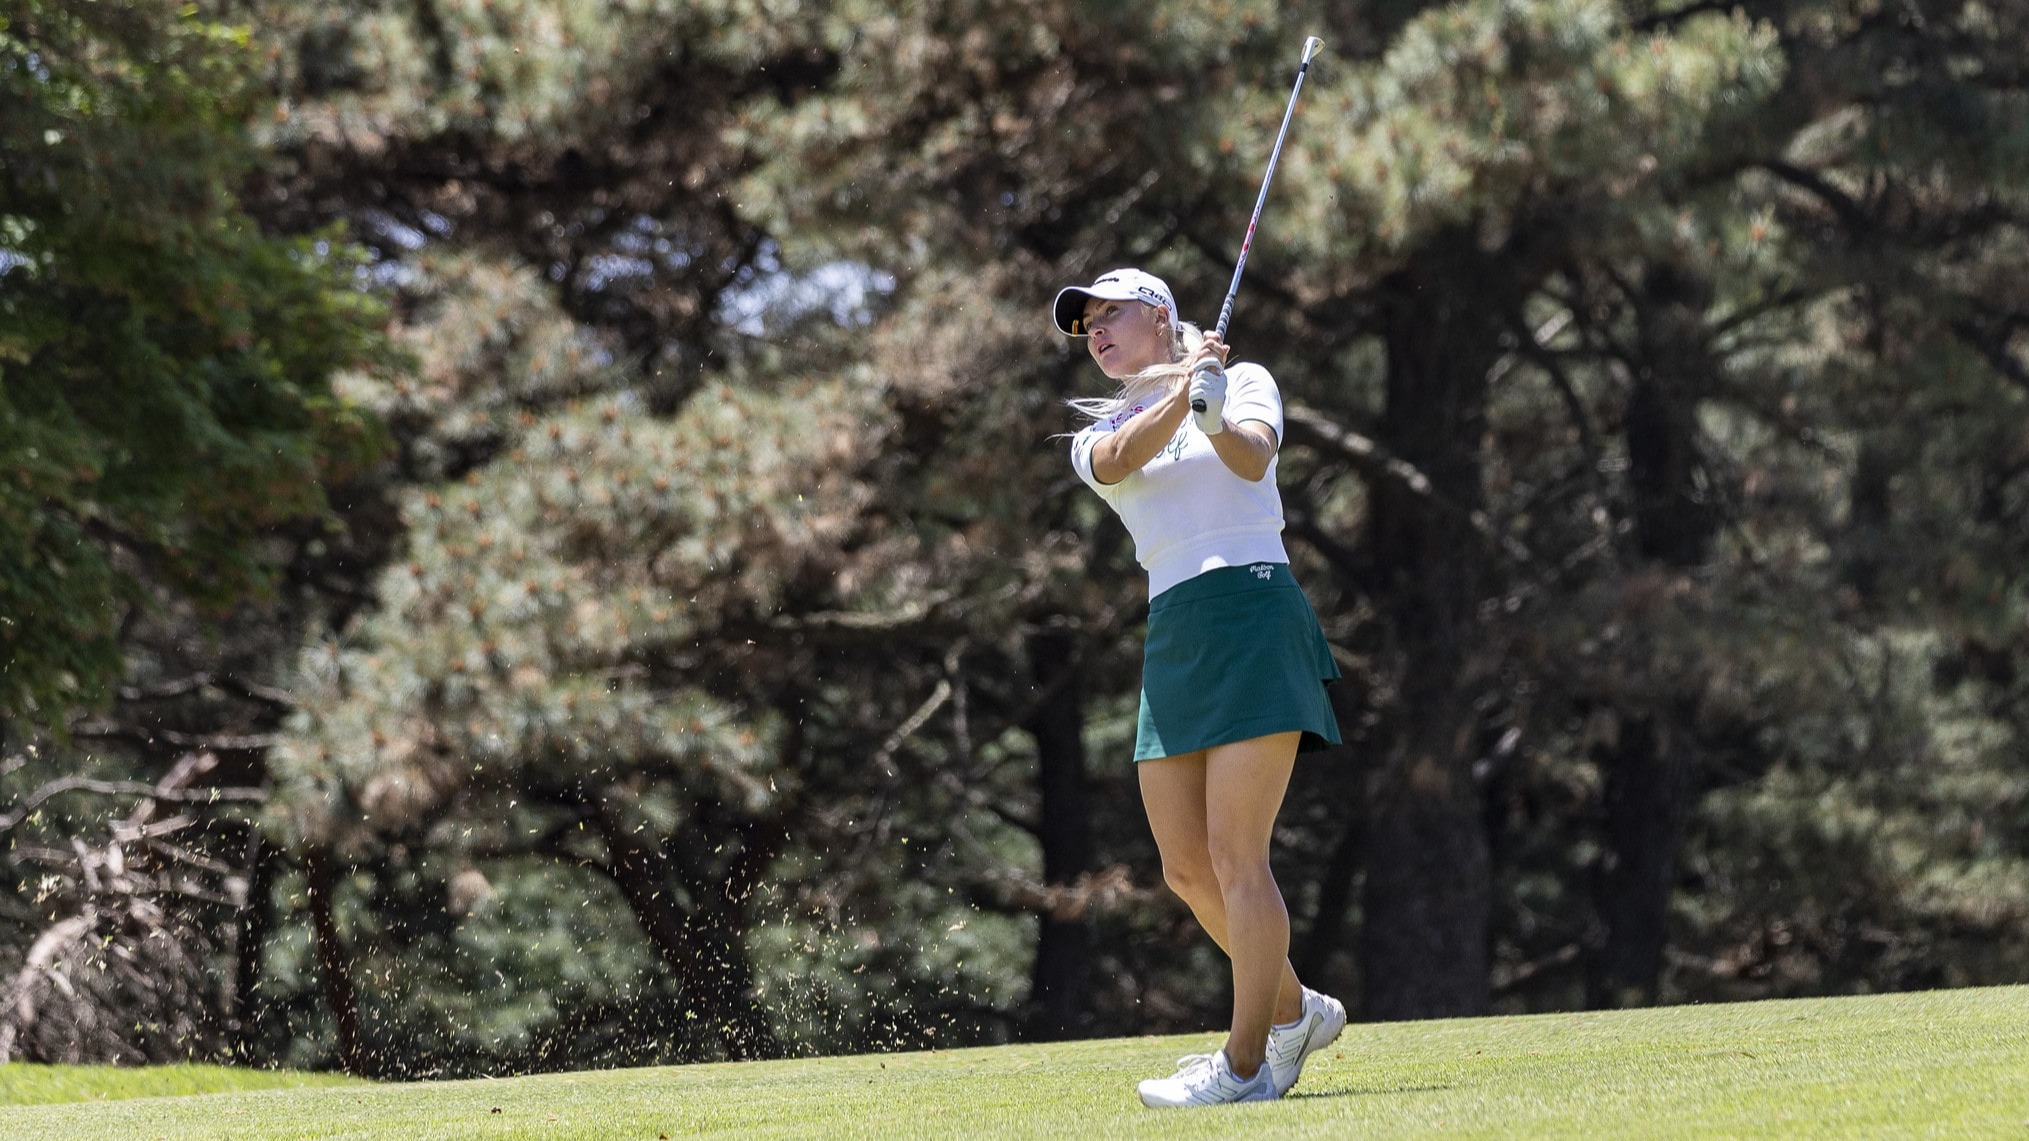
<point x="1175" y="794"/>
<point x="1244" y="785"/>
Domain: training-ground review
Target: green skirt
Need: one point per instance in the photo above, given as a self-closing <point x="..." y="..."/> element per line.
<point x="1233" y="654"/>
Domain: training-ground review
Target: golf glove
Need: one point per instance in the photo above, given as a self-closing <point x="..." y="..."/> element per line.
<point x="1208" y="397"/>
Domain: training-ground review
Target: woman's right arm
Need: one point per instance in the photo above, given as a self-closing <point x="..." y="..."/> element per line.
<point x="1128" y="449"/>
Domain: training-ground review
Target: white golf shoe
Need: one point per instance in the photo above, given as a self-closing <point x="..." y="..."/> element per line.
<point x="1317" y="1027"/>
<point x="1208" y="1079"/>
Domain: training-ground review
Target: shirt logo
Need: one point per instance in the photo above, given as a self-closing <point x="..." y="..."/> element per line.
<point x="1262" y="571"/>
<point x="1123" y="416"/>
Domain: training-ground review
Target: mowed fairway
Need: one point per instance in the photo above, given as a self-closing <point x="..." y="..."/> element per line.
<point x="1941" y="1064"/>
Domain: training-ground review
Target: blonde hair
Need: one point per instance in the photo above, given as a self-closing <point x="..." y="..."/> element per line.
<point x="1185" y="339"/>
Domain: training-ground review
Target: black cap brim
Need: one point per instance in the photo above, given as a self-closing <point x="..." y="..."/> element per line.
<point x="1069" y="310"/>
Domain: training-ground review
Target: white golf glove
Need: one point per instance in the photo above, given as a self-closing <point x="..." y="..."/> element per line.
<point x="1208" y="397"/>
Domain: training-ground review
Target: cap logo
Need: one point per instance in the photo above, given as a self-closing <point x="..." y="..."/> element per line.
<point x="1147" y="294"/>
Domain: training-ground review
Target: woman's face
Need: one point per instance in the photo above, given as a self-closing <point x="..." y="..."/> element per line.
<point x="1126" y="336"/>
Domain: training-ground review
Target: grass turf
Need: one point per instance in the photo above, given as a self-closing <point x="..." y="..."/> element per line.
<point x="1938" y="1064"/>
<point x="25" y="1084"/>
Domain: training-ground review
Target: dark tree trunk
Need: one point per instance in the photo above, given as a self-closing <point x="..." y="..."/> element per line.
<point x="1427" y="896"/>
<point x="1313" y="949"/>
<point x="1648" y="767"/>
<point x="721" y="885"/>
<point x="704" y="943"/>
<point x="1064" y="942"/>
<point x="1874" y="471"/>
<point x="256" y="919"/>
<point x="354" y="1055"/>
<point x="1647" y="793"/>
<point x="1674" y="516"/>
<point x="1314" y="945"/>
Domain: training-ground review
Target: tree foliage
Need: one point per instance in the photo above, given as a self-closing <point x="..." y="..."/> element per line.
<point x="164" y="362"/>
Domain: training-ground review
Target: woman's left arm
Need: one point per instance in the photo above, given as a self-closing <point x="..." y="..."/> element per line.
<point x="1245" y="448"/>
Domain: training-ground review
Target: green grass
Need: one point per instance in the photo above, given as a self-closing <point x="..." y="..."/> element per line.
<point x="24" y="1084"/>
<point x="1942" y="1064"/>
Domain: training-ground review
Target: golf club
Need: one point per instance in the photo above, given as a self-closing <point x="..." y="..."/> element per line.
<point x="1311" y="45"/>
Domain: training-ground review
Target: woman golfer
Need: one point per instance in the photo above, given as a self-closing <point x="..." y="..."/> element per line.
<point x="1235" y="667"/>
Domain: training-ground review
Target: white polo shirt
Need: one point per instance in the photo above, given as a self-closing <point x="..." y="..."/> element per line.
<point x="1186" y="510"/>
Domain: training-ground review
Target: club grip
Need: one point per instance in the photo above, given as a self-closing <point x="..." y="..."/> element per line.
<point x="1197" y="406"/>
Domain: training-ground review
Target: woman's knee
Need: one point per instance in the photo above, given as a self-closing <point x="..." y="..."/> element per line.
<point x="1190" y="879"/>
<point x="1235" y="865"/>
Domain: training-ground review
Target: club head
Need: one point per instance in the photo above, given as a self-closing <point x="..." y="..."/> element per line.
<point x="1311" y="46"/>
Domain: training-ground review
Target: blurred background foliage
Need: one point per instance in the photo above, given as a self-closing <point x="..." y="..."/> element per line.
<point x="537" y="535"/>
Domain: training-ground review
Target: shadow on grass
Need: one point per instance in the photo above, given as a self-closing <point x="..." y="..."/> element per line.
<point x="1305" y="1095"/>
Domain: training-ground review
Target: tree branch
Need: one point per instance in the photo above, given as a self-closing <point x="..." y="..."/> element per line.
<point x="59" y="787"/>
<point x="1994" y="350"/>
<point x="915" y="613"/>
<point x="1749" y="313"/>
<point x="196" y="742"/>
<point x="17" y="1009"/>
<point x="1375" y="463"/>
<point x="1849" y="211"/>
<point x="162" y="691"/>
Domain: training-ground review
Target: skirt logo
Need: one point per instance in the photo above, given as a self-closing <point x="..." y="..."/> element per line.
<point x="1262" y="571"/>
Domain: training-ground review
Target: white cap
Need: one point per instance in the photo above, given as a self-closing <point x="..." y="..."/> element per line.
<point x="1115" y="285"/>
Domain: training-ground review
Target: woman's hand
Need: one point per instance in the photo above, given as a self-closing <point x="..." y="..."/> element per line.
<point x="1207" y="371"/>
<point x="1214" y="350"/>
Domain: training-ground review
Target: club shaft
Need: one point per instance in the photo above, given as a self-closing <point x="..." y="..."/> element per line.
<point x="1226" y="310"/>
